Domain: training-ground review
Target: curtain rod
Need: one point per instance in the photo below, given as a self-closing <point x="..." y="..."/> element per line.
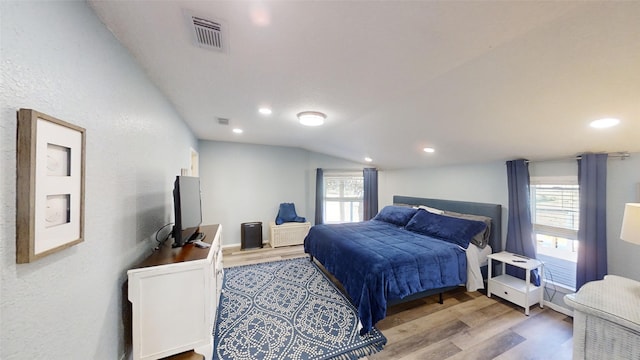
<point x="337" y="170"/>
<point x="623" y="155"/>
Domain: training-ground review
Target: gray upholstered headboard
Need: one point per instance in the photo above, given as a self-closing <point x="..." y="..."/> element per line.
<point x="494" y="211"/>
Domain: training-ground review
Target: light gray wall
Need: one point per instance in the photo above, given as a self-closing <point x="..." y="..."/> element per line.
<point x="479" y="183"/>
<point x="58" y="58"/>
<point x="245" y="183"/>
<point x="623" y="186"/>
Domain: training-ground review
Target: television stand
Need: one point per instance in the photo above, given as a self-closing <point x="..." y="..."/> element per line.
<point x="174" y="295"/>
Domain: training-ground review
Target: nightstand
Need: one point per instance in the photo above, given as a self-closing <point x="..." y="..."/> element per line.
<point x="518" y="291"/>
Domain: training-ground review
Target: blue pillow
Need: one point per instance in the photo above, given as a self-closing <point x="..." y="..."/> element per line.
<point x="454" y="230"/>
<point x="287" y="213"/>
<point x="397" y="215"/>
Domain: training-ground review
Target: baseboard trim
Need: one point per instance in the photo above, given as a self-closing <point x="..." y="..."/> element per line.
<point x="238" y="245"/>
<point x="558" y="308"/>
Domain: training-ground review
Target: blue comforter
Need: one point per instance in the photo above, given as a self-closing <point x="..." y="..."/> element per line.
<point x="377" y="262"/>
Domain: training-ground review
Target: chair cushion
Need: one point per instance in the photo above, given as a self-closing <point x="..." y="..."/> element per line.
<point x="287" y="213"/>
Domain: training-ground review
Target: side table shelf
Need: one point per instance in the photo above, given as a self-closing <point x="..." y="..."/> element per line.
<point x="518" y="291"/>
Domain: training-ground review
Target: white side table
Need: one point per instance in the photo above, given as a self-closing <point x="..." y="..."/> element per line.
<point x="518" y="291"/>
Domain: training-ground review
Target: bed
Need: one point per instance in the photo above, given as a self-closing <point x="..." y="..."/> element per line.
<point x="406" y="253"/>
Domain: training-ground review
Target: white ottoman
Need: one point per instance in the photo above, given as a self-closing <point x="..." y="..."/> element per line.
<point x="606" y="319"/>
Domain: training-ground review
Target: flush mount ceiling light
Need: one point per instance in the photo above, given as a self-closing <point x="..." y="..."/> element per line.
<point x="368" y="159"/>
<point x="311" y="118"/>
<point x="429" y="150"/>
<point x="237" y="131"/>
<point x="264" y="111"/>
<point x="604" y="123"/>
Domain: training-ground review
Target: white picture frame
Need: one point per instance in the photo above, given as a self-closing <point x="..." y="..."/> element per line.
<point x="50" y="185"/>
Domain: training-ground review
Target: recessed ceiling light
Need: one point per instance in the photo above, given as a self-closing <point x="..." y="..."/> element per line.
<point x="368" y="159"/>
<point x="238" y="131"/>
<point x="429" y="150"/>
<point x="311" y="118"/>
<point x="264" y="111"/>
<point x="604" y="123"/>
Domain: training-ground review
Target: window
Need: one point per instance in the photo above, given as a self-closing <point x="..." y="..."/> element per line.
<point x="343" y="197"/>
<point x="555" y="214"/>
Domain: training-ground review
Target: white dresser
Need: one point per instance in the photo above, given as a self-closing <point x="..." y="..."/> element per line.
<point x="606" y="319"/>
<point x="174" y="295"/>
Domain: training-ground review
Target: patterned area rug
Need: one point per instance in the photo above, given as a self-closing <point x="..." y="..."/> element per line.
<point x="288" y="310"/>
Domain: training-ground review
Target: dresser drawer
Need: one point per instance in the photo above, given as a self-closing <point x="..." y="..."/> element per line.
<point x="507" y="292"/>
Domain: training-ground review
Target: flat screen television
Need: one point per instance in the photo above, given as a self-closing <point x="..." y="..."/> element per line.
<point x="187" y="210"/>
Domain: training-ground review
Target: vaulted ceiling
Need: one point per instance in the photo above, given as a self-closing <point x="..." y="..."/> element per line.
<point x="477" y="81"/>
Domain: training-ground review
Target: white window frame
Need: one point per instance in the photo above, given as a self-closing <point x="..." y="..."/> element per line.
<point x="570" y="234"/>
<point x="342" y="199"/>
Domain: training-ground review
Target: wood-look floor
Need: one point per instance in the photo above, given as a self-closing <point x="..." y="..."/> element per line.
<point x="469" y="325"/>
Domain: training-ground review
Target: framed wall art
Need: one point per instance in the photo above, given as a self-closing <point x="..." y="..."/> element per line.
<point x="50" y="185"/>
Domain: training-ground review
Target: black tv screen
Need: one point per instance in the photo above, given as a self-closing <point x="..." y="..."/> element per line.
<point x="188" y="210"/>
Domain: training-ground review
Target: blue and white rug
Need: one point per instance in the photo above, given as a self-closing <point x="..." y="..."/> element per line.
<point x="288" y="310"/>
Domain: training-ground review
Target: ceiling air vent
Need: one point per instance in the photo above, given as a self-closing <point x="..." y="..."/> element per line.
<point x="207" y="33"/>
<point x="223" y="121"/>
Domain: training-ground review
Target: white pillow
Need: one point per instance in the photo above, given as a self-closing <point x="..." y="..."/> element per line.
<point x="431" y="210"/>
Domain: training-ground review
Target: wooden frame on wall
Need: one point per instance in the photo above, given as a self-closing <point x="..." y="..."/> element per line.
<point x="50" y="185"/>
